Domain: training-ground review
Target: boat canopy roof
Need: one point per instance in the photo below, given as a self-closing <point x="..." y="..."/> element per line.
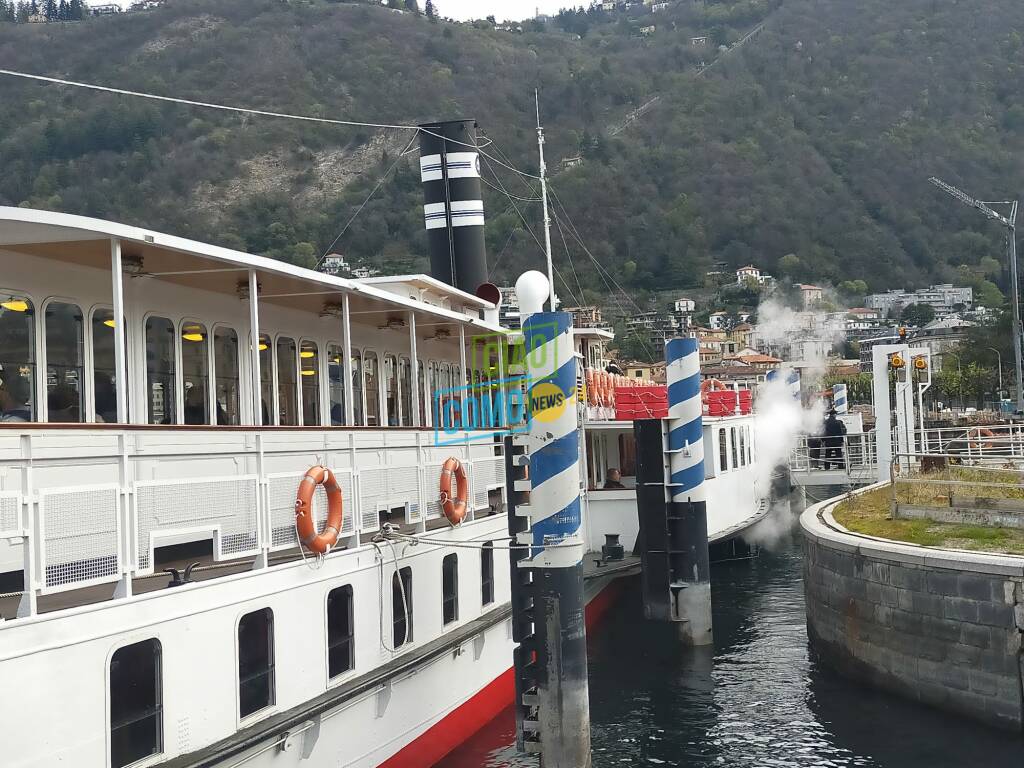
<point x="86" y="242"/>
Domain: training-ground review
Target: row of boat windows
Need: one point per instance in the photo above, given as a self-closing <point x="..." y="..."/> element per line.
<point x="136" y="671"/>
<point x="185" y="363"/>
<point x="734" y="443"/>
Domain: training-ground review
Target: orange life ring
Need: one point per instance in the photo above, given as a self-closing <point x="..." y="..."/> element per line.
<point x="304" y="522"/>
<point x="977" y="433"/>
<point x="454" y="507"/>
<point x="711" y="384"/>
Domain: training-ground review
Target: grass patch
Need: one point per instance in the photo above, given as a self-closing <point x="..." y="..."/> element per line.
<point x="870" y="514"/>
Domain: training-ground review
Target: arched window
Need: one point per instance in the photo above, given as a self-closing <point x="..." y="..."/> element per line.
<point x="358" y="417"/>
<point x="743" y="446"/>
<point x="424" y="394"/>
<point x="309" y="360"/>
<point x="195" y="372"/>
<point x="372" y="383"/>
<point x="17" y="358"/>
<point x="336" y="383"/>
<point x="401" y="607"/>
<point x="735" y="454"/>
<point x="390" y="391"/>
<point x="266" y="350"/>
<point x="65" y="362"/>
<point x="104" y="366"/>
<point x="487" y="573"/>
<point x="161" y="372"/>
<point x="405" y="390"/>
<point x="340" y="635"/>
<point x="255" y="662"/>
<point x="225" y="365"/>
<point x="723" y="450"/>
<point x="287" y="387"/>
<point x="136" y="703"/>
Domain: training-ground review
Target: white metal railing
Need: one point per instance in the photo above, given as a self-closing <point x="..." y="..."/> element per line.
<point x="852" y="454"/>
<point x="972" y="442"/>
<point x="85" y="508"/>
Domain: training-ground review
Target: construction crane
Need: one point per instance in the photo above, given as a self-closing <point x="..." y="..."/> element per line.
<point x="1010" y="222"/>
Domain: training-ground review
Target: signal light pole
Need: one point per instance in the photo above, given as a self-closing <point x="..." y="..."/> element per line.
<point x="1010" y="222"/>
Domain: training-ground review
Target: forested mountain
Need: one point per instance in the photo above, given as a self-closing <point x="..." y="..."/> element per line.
<point x="805" y="151"/>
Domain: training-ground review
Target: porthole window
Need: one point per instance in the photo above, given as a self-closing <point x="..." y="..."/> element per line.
<point x="65" y="363"/>
<point x="255" y="662"/>
<point x="340" y="650"/>
<point x="161" y="372"/>
<point x="136" y="703"/>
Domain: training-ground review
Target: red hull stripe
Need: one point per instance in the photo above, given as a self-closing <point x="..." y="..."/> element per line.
<point x="451" y="732"/>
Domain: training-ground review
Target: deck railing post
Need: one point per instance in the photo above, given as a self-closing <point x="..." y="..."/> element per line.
<point x="30" y="556"/>
<point x="346" y="336"/>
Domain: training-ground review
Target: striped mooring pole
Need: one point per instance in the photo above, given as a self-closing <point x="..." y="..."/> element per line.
<point x="689" y="561"/>
<point x="551" y="662"/>
<point x="840" y="404"/>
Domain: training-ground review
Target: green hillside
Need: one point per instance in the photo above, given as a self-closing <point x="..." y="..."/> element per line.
<point x="805" y="151"/>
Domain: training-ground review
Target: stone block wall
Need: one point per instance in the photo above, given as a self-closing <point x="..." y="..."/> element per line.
<point x="943" y="628"/>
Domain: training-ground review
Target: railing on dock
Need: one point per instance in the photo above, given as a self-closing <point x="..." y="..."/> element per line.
<point x="852" y="454"/>
<point x="84" y="507"/>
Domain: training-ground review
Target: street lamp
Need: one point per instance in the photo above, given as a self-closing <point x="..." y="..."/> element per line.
<point x="999" y="357"/>
<point x="1010" y="222"/>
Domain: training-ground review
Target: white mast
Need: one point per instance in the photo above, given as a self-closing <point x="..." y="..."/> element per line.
<point x="544" y="199"/>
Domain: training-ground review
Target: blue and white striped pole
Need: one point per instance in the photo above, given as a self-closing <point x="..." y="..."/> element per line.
<point x="839" y="401"/>
<point x="792" y="379"/>
<point x="552" y="448"/>
<point x="689" y="560"/>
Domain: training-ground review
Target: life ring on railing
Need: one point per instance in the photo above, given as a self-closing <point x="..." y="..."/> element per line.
<point x="977" y="433"/>
<point x="711" y="384"/>
<point x="454" y="506"/>
<point x="305" y="525"/>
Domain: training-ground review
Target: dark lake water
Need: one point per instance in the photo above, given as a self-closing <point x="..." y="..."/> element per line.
<point x="757" y="699"/>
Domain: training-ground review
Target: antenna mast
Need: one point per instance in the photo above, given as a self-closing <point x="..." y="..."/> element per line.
<point x="544" y="198"/>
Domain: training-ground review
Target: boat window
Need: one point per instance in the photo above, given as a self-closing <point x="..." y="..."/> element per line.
<point x="405" y="389"/>
<point x="287" y="394"/>
<point x="372" y="389"/>
<point x="450" y="588"/>
<point x="255" y="662"/>
<point x="161" y="372"/>
<point x="735" y="457"/>
<point x="357" y="388"/>
<point x="401" y="606"/>
<point x="195" y="372"/>
<point x="65" y="362"/>
<point x="340" y="650"/>
<point x="487" y="573"/>
<point x="136" y="703"/>
<point x="225" y="365"/>
<point x="336" y="383"/>
<point x="390" y="391"/>
<point x="266" y="351"/>
<point x="421" y="373"/>
<point x="17" y="359"/>
<point x="433" y="392"/>
<point x="750" y="446"/>
<point x="309" y="361"/>
<point x="723" y="451"/>
<point x="743" y="446"/>
<point x="627" y="454"/>
<point x="104" y="367"/>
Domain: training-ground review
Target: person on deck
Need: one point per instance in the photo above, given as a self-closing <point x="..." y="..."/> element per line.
<point x="835" y="431"/>
<point x="614" y="481"/>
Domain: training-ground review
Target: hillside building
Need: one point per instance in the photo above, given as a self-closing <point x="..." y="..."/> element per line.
<point x="810" y="296"/>
<point x="945" y="298"/>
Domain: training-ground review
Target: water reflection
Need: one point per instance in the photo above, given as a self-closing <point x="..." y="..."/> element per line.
<point x="758" y="699"/>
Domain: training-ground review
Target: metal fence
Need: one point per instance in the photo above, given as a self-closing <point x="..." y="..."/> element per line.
<point x="853" y="454"/>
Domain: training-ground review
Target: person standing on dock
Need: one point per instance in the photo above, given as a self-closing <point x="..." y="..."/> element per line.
<point x="835" y="432"/>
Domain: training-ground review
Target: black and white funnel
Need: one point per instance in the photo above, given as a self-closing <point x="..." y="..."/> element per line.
<point x="453" y="210"/>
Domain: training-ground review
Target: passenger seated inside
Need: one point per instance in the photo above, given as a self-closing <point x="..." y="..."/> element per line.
<point x="195" y="406"/>
<point x="62" y="404"/>
<point x="106" y="399"/>
<point x="15" y="394"/>
<point x="614" y="481"/>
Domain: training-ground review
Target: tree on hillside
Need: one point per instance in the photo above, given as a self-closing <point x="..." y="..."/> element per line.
<point x="917" y="315"/>
<point x="62" y="11"/>
<point x="429" y="9"/>
<point x="76" y="10"/>
<point x="50" y="10"/>
<point x="7" y="11"/>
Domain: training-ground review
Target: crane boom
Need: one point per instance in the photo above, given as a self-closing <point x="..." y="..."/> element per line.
<point x="967" y="200"/>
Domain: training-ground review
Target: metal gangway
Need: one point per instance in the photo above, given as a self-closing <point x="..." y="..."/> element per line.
<point x="853" y="460"/>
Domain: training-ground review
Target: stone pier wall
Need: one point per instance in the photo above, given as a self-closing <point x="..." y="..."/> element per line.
<point x="941" y="627"/>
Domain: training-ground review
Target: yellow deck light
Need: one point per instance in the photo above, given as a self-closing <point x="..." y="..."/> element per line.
<point x="307" y="353"/>
<point x="15" y="305"/>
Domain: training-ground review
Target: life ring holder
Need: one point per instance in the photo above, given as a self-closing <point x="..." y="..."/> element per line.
<point x="305" y="525"/>
<point x="709" y="385"/>
<point x="456" y="507"/>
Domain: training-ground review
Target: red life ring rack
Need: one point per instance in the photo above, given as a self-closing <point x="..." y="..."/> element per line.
<point x="305" y="525"/>
<point x="455" y="506"/>
<point x="711" y="385"/>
